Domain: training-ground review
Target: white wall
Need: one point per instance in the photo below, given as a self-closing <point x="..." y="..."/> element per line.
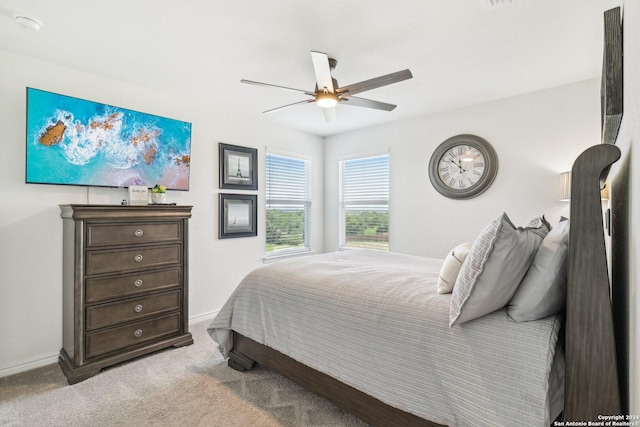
<point x="625" y="179"/>
<point x="30" y="224"/>
<point x="536" y="137"/>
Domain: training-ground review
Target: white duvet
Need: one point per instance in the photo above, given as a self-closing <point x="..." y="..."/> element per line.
<point x="374" y="321"/>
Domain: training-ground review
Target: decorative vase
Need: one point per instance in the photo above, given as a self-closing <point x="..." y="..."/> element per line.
<point x="159" y="198"/>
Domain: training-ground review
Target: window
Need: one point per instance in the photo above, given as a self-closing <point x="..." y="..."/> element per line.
<point x="364" y="203"/>
<point x="288" y="187"/>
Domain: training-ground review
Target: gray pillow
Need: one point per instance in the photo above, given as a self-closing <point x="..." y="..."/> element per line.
<point x="495" y="266"/>
<point x="543" y="290"/>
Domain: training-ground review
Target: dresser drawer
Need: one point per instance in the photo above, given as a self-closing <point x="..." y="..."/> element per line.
<point x="133" y="233"/>
<point x="104" y="288"/>
<point x="132" y="309"/>
<point x="102" y="342"/>
<point x="112" y="261"/>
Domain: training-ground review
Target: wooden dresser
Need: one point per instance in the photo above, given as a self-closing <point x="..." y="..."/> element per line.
<point x="125" y="281"/>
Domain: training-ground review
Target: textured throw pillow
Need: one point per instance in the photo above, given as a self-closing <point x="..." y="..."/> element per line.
<point x="495" y="266"/>
<point x="543" y="290"/>
<point x="451" y="267"/>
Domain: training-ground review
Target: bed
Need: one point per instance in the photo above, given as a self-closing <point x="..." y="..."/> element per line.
<point x="368" y="331"/>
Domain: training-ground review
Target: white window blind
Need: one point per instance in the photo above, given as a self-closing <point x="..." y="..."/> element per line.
<point x="364" y="203"/>
<point x="288" y="188"/>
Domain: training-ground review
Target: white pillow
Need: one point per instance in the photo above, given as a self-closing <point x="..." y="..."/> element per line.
<point x="451" y="267"/>
<point x="543" y="290"/>
<point x="495" y="266"/>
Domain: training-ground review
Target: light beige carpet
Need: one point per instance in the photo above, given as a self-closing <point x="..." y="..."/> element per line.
<point x="187" y="386"/>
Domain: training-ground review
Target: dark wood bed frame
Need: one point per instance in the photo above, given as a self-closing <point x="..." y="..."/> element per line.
<point x="591" y="378"/>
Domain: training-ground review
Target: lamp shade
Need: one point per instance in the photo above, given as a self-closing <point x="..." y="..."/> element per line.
<point x="604" y="193"/>
<point x="565" y="187"/>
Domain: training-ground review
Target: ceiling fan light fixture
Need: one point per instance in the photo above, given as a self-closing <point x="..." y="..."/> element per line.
<point x="326" y="100"/>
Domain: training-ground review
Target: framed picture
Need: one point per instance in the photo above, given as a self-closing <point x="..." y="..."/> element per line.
<point x="238" y="167"/>
<point x="238" y="215"/>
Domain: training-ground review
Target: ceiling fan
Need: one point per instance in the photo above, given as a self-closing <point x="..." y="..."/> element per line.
<point x="328" y="94"/>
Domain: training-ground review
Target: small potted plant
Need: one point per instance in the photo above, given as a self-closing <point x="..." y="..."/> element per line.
<point x="159" y="194"/>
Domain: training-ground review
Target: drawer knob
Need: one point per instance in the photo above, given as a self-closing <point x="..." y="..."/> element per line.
<point x="138" y="333"/>
<point x="138" y="232"/>
<point x="138" y="258"/>
<point x="138" y="308"/>
<point x="137" y="283"/>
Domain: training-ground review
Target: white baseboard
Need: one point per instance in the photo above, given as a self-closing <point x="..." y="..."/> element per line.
<point x="204" y="316"/>
<point x="5" y="371"/>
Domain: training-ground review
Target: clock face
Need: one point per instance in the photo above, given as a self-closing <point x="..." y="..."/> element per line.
<point x="463" y="166"/>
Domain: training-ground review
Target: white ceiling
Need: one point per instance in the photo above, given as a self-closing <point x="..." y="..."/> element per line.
<point x="459" y="52"/>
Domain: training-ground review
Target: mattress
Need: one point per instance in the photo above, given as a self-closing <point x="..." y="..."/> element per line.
<point x="374" y="321"/>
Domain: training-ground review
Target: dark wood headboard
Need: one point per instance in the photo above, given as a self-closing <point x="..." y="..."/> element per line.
<point x="591" y="383"/>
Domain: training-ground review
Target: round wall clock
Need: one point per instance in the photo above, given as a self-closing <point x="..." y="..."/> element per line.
<point x="463" y="166"/>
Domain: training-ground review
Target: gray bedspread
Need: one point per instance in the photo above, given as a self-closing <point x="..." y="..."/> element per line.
<point x="374" y="321"/>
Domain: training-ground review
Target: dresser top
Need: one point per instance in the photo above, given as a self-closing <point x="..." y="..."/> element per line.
<point x="74" y="211"/>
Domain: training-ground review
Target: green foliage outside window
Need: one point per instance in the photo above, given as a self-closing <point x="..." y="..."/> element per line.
<point x="285" y="229"/>
<point x="368" y="229"/>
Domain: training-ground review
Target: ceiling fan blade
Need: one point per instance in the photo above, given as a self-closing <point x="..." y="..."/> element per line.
<point x="377" y="82"/>
<point x="323" y="71"/>
<point x="306" y="101"/>
<point x="251" y="82"/>
<point x="329" y="114"/>
<point x="367" y="103"/>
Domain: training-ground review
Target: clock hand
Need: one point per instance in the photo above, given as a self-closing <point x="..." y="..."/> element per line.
<point x="458" y="165"/>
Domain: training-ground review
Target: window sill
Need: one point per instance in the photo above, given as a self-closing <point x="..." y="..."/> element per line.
<point x="274" y="258"/>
